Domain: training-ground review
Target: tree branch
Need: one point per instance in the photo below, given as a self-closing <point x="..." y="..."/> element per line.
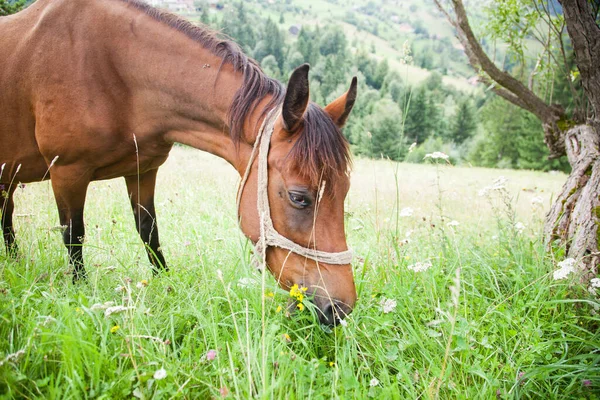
<point x="510" y="88"/>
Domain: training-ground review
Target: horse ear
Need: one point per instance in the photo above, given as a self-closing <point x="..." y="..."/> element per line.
<point x="296" y="98"/>
<point x="340" y="108"/>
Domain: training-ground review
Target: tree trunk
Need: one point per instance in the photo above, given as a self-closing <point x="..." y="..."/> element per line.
<point x="574" y="217"/>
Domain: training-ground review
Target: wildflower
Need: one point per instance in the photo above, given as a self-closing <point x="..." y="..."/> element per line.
<point x="286" y="337"/>
<point x="387" y="305"/>
<point x="587" y="382"/>
<point x="119" y="289"/>
<point x="436" y="155"/>
<point x="269" y="294"/>
<point x="374" y="382"/>
<point x="420" y="266"/>
<point x="223" y="391"/>
<point x="297" y="292"/>
<point x="114" y="329"/>
<point x="142" y="284"/>
<point x="114" y="310"/>
<point x="498" y="184"/>
<point x="160" y="374"/>
<point x="519" y="227"/>
<point x="453" y="223"/>
<point x="537" y="201"/>
<point x="331" y="363"/>
<point x="79" y="310"/>
<point x="406" y="212"/>
<point x="278" y="309"/>
<point x="369" y="135"/>
<point x="246" y="282"/>
<point x="412" y="147"/>
<point x="100" y="306"/>
<point x="211" y="355"/>
<point x="595" y="282"/>
<point x="300" y="306"/>
<point x="565" y="267"/>
<point x="343" y="323"/>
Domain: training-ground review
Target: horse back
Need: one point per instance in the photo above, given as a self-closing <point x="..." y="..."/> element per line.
<point x="60" y="91"/>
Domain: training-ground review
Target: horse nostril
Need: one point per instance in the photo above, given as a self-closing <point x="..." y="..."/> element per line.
<point x="332" y="313"/>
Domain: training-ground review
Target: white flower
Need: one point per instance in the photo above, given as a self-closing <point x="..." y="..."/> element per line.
<point x="453" y="223"/>
<point x="343" y="323"/>
<point x="595" y="282"/>
<point x="246" y="282"/>
<point x="537" y="200"/>
<point x="115" y="310"/>
<point x="119" y="289"/>
<point x="160" y="374"/>
<point x="412" y="147"/>
<point x="436" y="155"/>
<point x="406" y="212"/>
<point x="498" y="184"/>
<point x="374" y="382"/>
<point x="519" y="227"/>
<point x="420" y="266"/>
<point x="387" y="305"/>
<point x="565" y="268"/>
<point x="100" y="306"/>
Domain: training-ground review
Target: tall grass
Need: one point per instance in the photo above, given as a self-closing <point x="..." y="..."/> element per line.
<point x="499" y="328"/>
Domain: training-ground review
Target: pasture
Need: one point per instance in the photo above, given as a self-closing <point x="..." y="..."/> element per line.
<point x="485" y="320"/>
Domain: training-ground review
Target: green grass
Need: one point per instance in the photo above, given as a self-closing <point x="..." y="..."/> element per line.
<point x="509" y="331"/>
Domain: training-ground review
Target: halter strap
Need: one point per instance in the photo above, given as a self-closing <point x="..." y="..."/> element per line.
<point x="268" y="234"/>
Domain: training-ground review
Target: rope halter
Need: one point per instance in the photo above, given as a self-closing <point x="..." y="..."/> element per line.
<point x="268" y="235"/>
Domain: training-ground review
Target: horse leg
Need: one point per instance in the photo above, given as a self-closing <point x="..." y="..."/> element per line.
<point x="141" y="193"/>
<point x="7" y="207"/>
<point x="70" y="187"/>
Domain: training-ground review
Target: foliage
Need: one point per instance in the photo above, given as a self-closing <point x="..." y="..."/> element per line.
<point x="429" y="109"/>
<point x="8" y="7"/>
<point x="485" y="320"/>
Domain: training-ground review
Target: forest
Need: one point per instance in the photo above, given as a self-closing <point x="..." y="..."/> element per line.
<point x="393" y="112"/>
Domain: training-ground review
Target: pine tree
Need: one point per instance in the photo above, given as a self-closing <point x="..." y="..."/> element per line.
<point x="464" y="124"/>
<point x="416" y="126"/>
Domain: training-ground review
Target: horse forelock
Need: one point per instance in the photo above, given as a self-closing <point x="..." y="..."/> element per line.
<point x="321" y="153"/>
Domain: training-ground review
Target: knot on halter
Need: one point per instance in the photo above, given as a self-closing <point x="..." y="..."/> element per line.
<point x="268" y="235"/>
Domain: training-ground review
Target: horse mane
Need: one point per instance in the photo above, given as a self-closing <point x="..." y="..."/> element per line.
<point x="320" y="153"/>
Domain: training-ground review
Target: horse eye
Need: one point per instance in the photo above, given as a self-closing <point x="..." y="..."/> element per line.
<point x="299" y="200"/>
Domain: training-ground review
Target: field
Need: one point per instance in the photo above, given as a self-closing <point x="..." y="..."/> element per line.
<point x="485" y="320"/>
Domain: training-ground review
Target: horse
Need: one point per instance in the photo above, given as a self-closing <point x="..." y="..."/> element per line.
<point x="100" y="89"/>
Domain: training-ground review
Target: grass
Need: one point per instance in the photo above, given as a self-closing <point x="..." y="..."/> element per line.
<point x="486" y="320"/>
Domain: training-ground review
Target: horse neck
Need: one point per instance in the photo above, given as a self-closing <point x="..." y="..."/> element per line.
<point x="181" y="90"/>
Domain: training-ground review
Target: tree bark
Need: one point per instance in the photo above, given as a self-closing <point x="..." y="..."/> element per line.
<point x="574" y="217"/>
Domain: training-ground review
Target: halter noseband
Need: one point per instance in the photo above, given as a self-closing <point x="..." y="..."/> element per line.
<point x="268" y="235"/>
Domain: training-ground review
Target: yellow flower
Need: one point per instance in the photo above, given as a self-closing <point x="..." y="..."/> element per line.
<point x="300" y="306"/>
<point x="114" y="329"/>
<point x="79" y="310"/>
<point x="144" y="282"/>
<point x="407" y="257"/>
<point x="278" y="309"/>
<point x="331" y="363"/>
<point x="270" y="294"/>
<point x="286" y="337"/>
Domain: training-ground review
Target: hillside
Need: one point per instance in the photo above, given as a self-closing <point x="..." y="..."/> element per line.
<point x="382" y="27"/>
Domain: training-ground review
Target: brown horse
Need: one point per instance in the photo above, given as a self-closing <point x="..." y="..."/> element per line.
<point x="98" y="89"/>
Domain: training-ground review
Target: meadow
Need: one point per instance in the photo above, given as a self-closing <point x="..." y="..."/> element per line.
<point x="457" y="297"/>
